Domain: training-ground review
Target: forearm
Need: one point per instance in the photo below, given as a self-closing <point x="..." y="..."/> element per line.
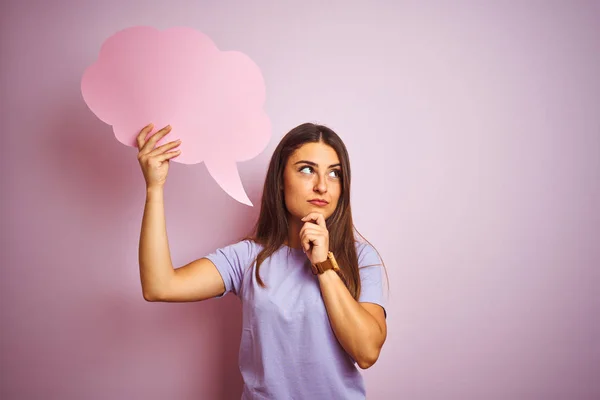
<point x="355" y="328"/>
<point x="156" y="266"/>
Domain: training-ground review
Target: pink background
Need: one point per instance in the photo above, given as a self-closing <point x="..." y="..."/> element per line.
<point x="474" y="134"/>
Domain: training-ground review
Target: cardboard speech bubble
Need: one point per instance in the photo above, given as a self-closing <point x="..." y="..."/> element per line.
<point x="212" y="99"/>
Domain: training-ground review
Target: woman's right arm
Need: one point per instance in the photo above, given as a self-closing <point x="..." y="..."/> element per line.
<point x="198" y="280"/>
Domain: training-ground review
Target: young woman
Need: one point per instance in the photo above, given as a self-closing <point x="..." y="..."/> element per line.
<point x="311" y="292"/>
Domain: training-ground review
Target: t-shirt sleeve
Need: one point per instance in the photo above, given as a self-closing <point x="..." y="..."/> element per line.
<point x="370" y="268"/>
<point x="231" y="262"/>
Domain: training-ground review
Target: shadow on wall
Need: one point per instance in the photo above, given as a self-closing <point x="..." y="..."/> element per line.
<point x="122" y="345"/>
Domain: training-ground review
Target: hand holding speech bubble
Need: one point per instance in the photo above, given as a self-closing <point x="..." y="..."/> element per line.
<point x="212" y="99"/>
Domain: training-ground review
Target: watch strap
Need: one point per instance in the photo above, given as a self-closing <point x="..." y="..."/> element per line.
<point x="329" y="263"/>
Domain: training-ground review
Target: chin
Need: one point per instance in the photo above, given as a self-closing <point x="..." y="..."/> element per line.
<point x="301" y="212"/>
<point x="326" y="211"/>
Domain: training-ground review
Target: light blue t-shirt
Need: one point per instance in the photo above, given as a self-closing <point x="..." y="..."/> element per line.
<point x="288" y="349"/>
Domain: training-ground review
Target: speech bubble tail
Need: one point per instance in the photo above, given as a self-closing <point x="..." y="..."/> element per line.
<point x="228" y="177"/>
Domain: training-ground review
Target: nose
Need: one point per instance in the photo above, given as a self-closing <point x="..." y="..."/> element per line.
<point x="321" y="184"/>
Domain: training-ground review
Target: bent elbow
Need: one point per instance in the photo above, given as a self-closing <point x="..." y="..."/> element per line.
<point x="150" y="296"/>
<point x="365" y="364"/>
<point x="368" y="360"/>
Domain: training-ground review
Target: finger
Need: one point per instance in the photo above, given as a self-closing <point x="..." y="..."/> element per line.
<point x="317" y="218"/>
<point x="169" y="155"/>
<point x="313" y="233"/>
<point x="310" y="227"/>
<point x="141" y="137"/>
<point x="305" y="243"/>
<point x="164" y="148"/>
<point x="310" y="239"/>
<point x="316" y="235"/>
<point x="149" y="145"/>
<point x="313" y="216"/>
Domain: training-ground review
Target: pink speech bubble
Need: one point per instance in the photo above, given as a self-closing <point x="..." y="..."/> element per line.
<point x="212" y="99"/>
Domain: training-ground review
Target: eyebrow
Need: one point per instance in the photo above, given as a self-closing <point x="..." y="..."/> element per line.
<point x="315" y="164"/>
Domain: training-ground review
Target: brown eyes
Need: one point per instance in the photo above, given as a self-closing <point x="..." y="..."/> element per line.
<point x="334" y="173"/>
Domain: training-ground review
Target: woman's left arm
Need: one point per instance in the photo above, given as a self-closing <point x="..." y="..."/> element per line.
<point x="359" y="327"/>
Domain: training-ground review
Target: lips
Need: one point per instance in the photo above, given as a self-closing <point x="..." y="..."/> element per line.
<point x="317" y="202"/>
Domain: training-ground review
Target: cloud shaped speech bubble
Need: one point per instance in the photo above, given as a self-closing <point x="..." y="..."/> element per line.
<point x="212" y="99"/>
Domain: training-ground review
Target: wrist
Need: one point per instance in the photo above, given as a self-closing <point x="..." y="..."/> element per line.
<point x="319" y="260"/>
<point x="330" y="273"/>
<point x="327" y="277"/>
<point x="154" y="193"/>
<point x="329" y="263"/>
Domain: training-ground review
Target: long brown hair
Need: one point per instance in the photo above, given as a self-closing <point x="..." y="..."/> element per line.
<point x="271" y="229"/>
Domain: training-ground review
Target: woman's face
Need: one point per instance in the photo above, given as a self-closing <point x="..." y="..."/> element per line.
<point x="312" y="180"/>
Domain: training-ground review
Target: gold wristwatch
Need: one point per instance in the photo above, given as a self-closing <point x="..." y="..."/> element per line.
<point x="329" y="263"/>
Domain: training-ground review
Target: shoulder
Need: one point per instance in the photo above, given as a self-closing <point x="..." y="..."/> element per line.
<point x="240" y="251"/>
<point x="367" y="254"/>
<point x="245" y="247"/>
